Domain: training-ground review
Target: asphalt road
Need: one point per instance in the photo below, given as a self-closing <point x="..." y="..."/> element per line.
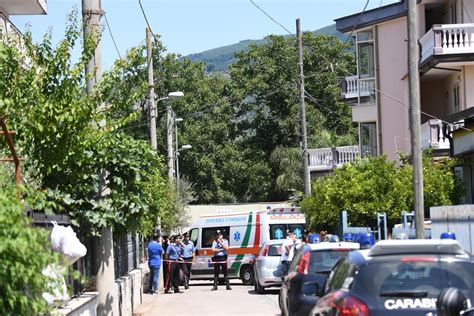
<point x="200" y="300"/>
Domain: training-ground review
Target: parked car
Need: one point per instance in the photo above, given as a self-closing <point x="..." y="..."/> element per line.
<point x="265" y="265"/>
<point x="307" y="275"/>
<point x="396" y="277"/>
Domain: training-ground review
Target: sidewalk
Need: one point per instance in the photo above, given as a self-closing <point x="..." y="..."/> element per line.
<point x="200" y="300"/>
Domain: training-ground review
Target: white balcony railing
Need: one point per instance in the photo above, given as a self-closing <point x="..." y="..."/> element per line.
<point x="9" y="32"/>
<point x="352" y="87"/>
<point x="445" y="39"/>
<point x="325" y="159"/>
<point x="432" y="135"/>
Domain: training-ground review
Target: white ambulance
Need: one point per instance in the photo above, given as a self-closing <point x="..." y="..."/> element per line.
<point x="245" y="231"/>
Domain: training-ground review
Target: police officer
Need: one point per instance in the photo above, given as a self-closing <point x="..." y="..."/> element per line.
<point x="173" y="255"/>
<point x="165" y="244"/>
<point x="188" y="258"/>
<point x="220" y="247"/>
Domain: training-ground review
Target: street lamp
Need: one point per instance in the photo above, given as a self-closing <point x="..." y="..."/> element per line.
<point x="169" y="132"/>
<point x="184" y="147"/>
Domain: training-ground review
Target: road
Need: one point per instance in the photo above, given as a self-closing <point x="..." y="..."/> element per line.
<point x="200" y="300"/>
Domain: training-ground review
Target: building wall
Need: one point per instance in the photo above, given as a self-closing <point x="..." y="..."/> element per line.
<point x="434" y="97"/>
<point x="392" y="72"/>
<point x="468" y="77"/>
<point x="468" y="11"/>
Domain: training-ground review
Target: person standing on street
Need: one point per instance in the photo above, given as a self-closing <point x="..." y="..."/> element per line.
<point x="188" y="258"/>
<point x="155" y="251"/>
<point x="173" y="254"/>
<point x="220" y="247"/>
<point x="165" y="244"/>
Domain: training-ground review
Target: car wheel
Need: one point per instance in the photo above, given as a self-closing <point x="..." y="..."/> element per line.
<point x="258" y="287"/>
<point x="246" y="275"/>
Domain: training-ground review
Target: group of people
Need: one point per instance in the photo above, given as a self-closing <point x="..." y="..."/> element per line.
<point x="175" y="253"/>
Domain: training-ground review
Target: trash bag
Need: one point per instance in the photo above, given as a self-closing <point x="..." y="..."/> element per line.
<point x="58" y="286"/>
<point x="64" y="240"/>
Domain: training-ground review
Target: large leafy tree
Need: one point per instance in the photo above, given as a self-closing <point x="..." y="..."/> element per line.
<point x="268" y="115"/>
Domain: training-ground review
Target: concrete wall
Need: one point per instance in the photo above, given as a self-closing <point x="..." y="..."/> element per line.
<point x="468" y="77"/>
<point x="85" y="305"/>
<point x="468" y="10"/>
<point x="392" y="71"/>
<point x="458" y="219"/>
<point x="125" y="298"/>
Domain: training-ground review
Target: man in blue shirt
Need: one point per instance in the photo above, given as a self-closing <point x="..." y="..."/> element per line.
<point x="220" y="247"/>
<point x="188" y="258"/>
<point x="155" y="251"/>
<point x="173" y="255"/>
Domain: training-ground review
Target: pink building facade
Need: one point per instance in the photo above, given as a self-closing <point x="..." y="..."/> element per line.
<point x="378" y="92"/>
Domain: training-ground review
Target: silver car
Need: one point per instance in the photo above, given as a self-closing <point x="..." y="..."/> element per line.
<point x="265" y="264"/>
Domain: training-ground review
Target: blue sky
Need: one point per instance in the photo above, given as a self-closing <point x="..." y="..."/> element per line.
<point x="192" y="26"/>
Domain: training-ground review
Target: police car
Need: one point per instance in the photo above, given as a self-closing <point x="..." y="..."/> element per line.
<point x="396" y="277"/>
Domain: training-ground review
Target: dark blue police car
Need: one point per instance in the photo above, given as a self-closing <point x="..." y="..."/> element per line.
<point x="396" y="277"/>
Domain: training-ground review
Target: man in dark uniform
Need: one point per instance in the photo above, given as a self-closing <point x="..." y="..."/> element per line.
<point x="173" y="255"/>
<point x="220" y="247"/>
<point x="165" y="245"/>
<point x="188" y="258"/>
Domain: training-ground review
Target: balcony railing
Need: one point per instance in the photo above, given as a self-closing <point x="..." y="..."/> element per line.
<point x="445" y="39"/>
<point x="9" y="32"/>
<point x="352" y="87"/>
<point x="326" y="159"/>
<point x="432" y="136"/>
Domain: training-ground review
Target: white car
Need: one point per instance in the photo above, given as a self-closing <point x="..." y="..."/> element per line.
<point x="265" y="265"/>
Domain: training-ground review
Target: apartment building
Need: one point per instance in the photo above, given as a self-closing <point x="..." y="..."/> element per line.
<point x="8" y="31"/>
<point x="378" y="92"/>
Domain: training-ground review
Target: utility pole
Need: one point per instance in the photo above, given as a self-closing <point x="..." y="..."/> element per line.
<point x="306" y="175"/>
<point x="102" y="252"/>
<point x="151" y="90"/>
<point x="415" y="117"/>
<point x="169" y="141"/>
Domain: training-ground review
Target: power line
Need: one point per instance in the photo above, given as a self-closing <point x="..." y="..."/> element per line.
<point x="348" y="73"/>
<point x="358" y="21"/>
<point x="112" y="35"/>
<point x="146" y="20"/>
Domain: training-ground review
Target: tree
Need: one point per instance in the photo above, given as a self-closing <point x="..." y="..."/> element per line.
<point x="265" y="77"/>
<point x="376" y="185"/>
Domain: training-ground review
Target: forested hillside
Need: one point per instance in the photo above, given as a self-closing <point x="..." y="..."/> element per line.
<point x="219" y="59"/>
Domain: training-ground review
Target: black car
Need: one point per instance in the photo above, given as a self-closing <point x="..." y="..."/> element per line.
<point x="307" y="274"/>
<point x="399" y="277"/>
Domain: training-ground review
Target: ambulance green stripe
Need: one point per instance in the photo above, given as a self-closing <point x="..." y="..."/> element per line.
<point x="245" y="241"/>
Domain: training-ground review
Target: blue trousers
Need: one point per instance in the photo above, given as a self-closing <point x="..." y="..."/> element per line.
<point x="153" y="285"/>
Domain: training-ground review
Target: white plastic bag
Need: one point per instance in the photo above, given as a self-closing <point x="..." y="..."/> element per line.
<point x="58" y="285"/>
<point x="71" y="247"/>
<point x="64" y="240"/>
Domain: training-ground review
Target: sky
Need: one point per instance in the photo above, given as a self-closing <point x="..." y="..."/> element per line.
<point x="192" y="26"/>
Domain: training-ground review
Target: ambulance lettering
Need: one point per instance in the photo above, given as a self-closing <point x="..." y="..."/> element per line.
<point x="408" y="303"/>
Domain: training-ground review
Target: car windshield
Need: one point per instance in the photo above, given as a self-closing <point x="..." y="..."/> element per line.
<point x="325" y="260"/>
<point x="414" y="277"/>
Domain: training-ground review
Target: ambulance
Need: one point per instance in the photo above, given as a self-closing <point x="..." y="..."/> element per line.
<point x="245" y="231"/>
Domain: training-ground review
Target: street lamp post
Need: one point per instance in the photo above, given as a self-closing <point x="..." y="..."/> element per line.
<point x="176" y="121"/>
<point x="184" y="147"/>
<point x="169" y="132"/>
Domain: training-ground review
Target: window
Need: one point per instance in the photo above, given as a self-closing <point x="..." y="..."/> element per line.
<point x="278" y="231"/>
<point x="324" y="261"/>
<point x="366" y="67"/>
<point x="454" y="11"/>
<point x="338" y="275"/>
<point x="208" y="235"/>
<point x="193" y="236"/>
<point x="368" y="139"/>
<point x="456" y="98"/>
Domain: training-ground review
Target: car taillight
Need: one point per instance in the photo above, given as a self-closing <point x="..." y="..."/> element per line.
<point x="348" y="305"/>
<point x="265" y="250"/>
<point x="303" y="265"/>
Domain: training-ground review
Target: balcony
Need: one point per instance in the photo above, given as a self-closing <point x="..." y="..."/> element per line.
<point x="352" y="87"/>
<point x="432" y="136"/>
<point x="24" y="7"/>
<point x="447" y="40"/>
<point x="327" y="159"/>
<point x="9" y="33"/>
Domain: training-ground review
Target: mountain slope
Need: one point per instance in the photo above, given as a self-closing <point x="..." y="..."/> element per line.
<point x="219" y="59"/>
